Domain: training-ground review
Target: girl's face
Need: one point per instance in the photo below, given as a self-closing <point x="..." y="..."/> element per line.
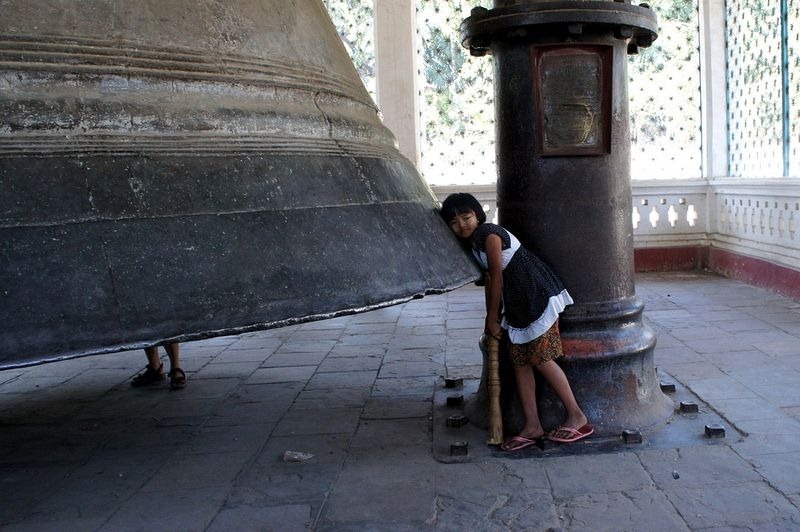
<point x="464" y="224"/>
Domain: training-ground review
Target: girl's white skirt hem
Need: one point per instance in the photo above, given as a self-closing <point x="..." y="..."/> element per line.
<point x="555" y="306"/>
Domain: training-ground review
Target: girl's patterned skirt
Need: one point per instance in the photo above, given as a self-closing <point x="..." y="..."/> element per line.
<point x="542" y="349"/>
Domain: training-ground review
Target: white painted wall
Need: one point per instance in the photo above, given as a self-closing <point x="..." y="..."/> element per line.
<point x="396" y="72"/>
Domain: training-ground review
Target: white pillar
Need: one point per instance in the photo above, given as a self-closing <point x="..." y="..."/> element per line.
<point x="713" y="89"/>
<point x="396" y="72"/>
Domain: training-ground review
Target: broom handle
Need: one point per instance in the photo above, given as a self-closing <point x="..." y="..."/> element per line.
<point x="495" y="414"/>
<point x="495" y="436"/>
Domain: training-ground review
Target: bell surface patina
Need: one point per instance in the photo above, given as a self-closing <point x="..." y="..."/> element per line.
<point x="185" y="169"/>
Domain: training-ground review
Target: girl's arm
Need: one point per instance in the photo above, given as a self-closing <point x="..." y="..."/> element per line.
<point x="494" y="284"/>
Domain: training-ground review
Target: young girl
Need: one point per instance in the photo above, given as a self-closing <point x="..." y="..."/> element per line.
<point x="531" y="297"/>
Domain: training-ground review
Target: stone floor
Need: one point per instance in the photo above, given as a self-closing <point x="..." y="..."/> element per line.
<point x="82" y="450"/>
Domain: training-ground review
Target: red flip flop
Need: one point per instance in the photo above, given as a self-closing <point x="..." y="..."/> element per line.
<point x="569" y="435"/>
<point x="517" y="443"/>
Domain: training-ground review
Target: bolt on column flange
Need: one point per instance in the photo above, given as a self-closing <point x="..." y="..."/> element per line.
<point x="688" y="407"/>
<point x="457" y="421"/>
<point x="485" y="26"/>
<point x="715" y="430"/>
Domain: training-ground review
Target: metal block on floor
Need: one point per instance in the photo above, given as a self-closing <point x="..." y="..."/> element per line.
<point x="453" y="382"/>
<point x="457" y="421"/>
<point x="667" y="387"/>
<point x="631" y="436"/>
<point x="455" y="400"/>
<point x="459" y="448"/>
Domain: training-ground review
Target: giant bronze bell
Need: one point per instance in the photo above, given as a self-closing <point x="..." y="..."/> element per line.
<point x="563" y="188"/>
<point x="184" y="169"/>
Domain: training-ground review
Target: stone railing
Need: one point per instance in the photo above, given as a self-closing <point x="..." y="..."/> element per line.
<point x="670" y="213"/>
<point x="756" y="218"/>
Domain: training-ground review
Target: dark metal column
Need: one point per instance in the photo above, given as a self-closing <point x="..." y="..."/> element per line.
<point x="564" y="186"/>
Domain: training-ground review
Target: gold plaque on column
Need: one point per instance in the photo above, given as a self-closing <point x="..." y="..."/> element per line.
<point x="572" y="91"/>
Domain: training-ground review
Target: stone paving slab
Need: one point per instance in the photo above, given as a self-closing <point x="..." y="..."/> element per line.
<point x="754" y="505"/>
<point x="363" y="397"/>
<point x="641" y="509"/>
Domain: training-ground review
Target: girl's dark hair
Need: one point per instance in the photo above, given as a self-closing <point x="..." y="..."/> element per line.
<point x="461" y="203"/>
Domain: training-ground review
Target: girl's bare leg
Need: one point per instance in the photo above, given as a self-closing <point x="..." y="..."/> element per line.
<point x="558" y="381"/>
<point x="526" y="388"/>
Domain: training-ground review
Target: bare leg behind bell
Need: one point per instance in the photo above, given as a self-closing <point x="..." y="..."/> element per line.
<point x="176" y="374"/>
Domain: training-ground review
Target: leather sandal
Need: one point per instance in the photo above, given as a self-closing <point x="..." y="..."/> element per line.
<point x="177" y="379"/>
<point x="150" y="376"/>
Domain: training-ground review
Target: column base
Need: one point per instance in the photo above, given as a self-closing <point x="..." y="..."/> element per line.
<point x="617" y="392"/>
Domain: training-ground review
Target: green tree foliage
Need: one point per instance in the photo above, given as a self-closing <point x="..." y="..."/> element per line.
<point x="793" y="47"/>
<point x="755" y="88"/>
<point x="664" y="95"/>
<point x="456" y="91"/>
<point x="456" y="107"/>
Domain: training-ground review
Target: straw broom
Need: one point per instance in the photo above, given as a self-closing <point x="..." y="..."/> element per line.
<point x="495" y="436"/>
<point x="493" y="378"/>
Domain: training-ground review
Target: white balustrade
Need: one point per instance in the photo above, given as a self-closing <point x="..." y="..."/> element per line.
<point x="670" y="213"/>
<point x="757" y="218"/>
